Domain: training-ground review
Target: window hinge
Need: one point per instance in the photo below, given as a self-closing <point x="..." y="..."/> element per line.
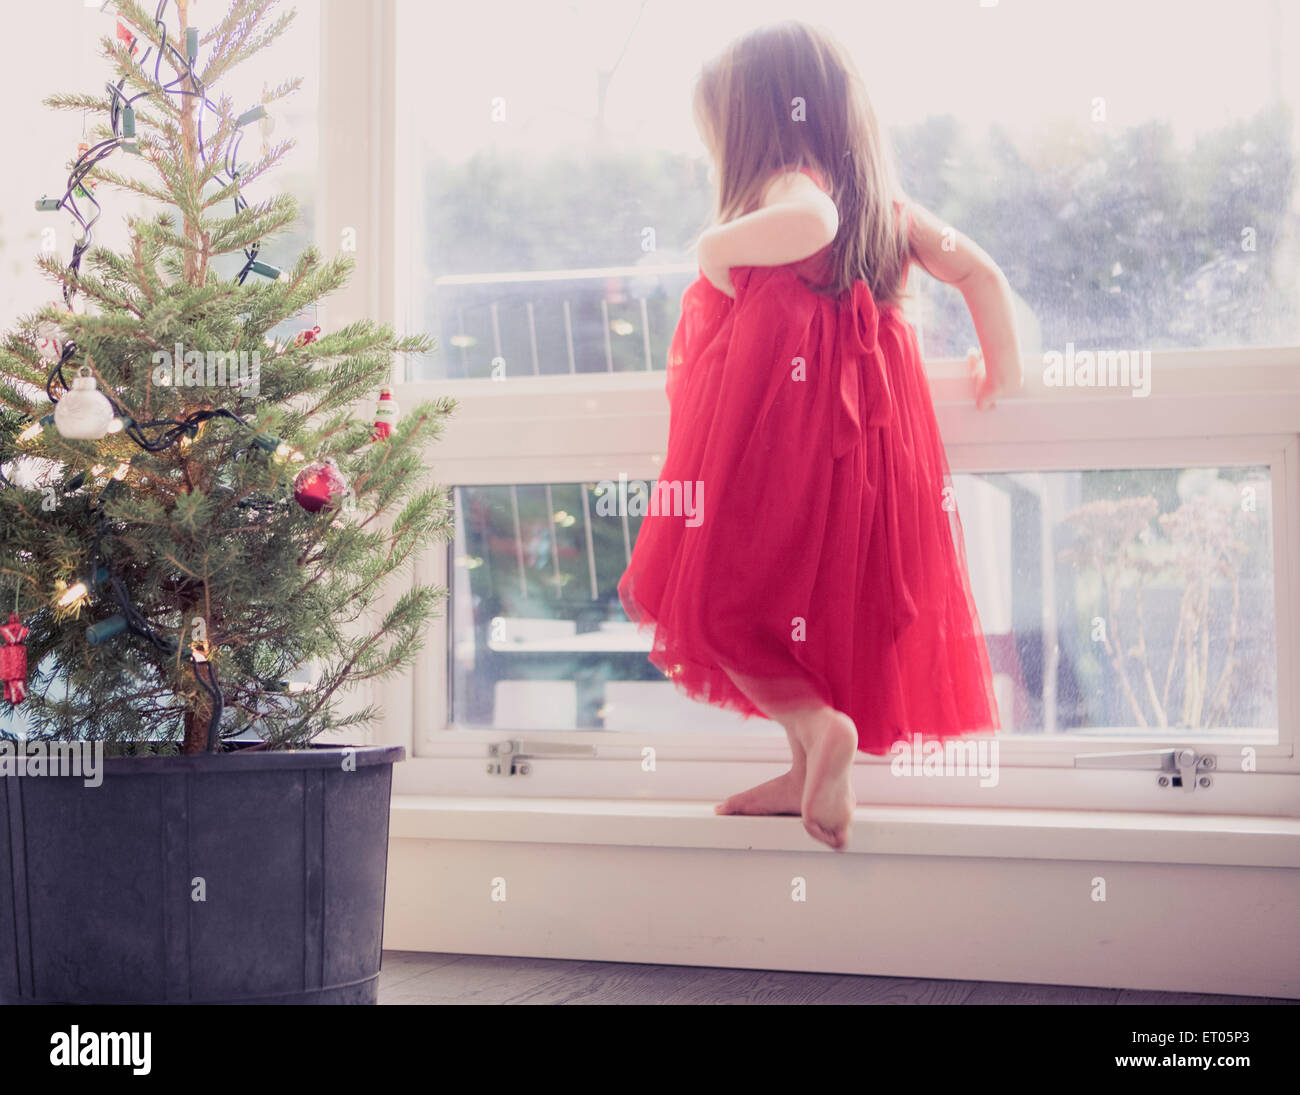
<point x="510" y="758"/>
<point x="1191" y="770"/>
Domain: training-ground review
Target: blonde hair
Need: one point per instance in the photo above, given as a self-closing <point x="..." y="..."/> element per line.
<point x="744" y="104"/>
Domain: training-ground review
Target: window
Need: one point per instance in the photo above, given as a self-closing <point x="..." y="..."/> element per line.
<point x="1131" y="201"/>
<point x="542" y="233"/>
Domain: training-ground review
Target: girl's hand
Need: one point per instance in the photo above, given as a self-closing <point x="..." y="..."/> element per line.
<point x="983" y="397"/>
<point x="989" y="385"/>
<point x="717" y="272"/>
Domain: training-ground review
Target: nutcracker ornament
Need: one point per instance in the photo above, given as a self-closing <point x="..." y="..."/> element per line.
<point x="385" y="414"/>
<point x="319" y="485"/>
<point x="13" y="660"/>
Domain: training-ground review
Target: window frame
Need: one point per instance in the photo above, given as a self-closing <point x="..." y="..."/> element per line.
<point x="585" y="428"/>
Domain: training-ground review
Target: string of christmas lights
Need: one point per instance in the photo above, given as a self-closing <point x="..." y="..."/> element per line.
<point x="122" y="125"/>
<point x="93" y="421"/>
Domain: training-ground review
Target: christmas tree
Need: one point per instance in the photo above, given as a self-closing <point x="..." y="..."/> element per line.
<point x="192" y="511"/>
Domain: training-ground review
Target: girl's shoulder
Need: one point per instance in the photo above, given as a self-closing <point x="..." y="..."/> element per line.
<point x="805" y="186"/>
<point x="780" y="173"/>
<point x="902" y="209"/>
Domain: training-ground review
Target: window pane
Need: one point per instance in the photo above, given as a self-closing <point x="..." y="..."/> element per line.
<point x="1135" y="602"/>
<point x="621" y="322"/>
<point x="1132" y="202"/>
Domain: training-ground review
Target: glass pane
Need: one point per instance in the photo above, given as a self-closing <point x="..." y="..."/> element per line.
<point x="1127" y="602"/>
<point x="1132" y="202"/>
<point x="619" y="322"/>
<point x="1134" y="602"/>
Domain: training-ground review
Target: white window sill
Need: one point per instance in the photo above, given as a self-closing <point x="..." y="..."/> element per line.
<point x="977" y="832"/>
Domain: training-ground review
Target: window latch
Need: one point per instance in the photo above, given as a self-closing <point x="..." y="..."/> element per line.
<point x="510" y="757"/>
<point x="1189" y="769"/>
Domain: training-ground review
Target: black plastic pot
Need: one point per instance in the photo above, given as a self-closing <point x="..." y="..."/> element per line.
<point x="98" y="884"/>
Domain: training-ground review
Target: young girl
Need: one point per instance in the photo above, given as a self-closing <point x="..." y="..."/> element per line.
<point x="824" y="583"/>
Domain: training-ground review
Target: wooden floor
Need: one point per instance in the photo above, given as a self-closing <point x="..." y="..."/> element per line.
<point x="414" y="978"/>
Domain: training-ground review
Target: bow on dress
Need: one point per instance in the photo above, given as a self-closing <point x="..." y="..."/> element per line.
<point x="858" y="377"/>
<point x="864" y="401"/>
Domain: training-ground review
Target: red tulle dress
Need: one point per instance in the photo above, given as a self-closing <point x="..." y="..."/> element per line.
<point x="824" y="562"/>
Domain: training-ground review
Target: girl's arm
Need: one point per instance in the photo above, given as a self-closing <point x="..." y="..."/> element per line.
<point x="796" y="220"/>
<point x="952" y="258"/>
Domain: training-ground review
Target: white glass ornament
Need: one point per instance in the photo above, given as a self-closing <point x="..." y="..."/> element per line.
<point x="83" y="413"/>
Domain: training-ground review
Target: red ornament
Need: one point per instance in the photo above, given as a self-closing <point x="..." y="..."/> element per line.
<point x="319" y="485"/>
<point x="124" y="35"/>
<point x="310" y="335"/>
<point x="13" y="659"/>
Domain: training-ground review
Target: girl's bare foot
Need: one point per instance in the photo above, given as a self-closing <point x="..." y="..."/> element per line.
<point x="783" y="795"/>
<point x="830" y="741"/>
<point x="779" y="796"/>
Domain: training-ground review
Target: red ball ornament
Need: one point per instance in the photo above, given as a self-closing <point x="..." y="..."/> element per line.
<point x="319" y="485"/>
<point x="124" y="35"/>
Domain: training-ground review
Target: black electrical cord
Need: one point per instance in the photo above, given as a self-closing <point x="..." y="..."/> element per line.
<point x="69" y="351"/>
<point x="176" y="428"/>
